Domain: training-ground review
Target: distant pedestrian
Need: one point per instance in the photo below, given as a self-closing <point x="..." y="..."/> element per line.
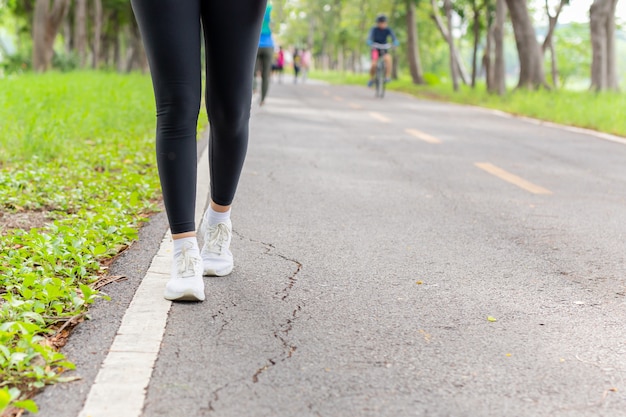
<point x="297" y="62"/>
<point x="306" y="64"/>
<point x="279" y="65"/>
<point x="265" y="55"/>
<point x="171" y="33"/>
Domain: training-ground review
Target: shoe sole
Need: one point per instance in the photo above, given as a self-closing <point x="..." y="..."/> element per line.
<point x="214" y="273"/>
<point x="189" y="295"/>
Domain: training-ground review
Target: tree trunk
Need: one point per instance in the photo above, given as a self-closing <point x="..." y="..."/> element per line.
<point x="476" y="30"/>
<point x="137" y="59"/>
<point x="461" y="71"/>
<point x="362" y="35"/>
<point x="117" y="47"/>
<point x="552" y="21"/>
<point x="611" y="61"/>
<point x="413" y="55"/>
<point x="68" y="37"/>
<point x="499" y="68"/>
<point x="602" y="24"/>
<point x="488" y="64"/>
<point x="530" y="58"/>
<point x="47" y="19"/>
<point x="553" y="65"/>
<point x="548" y="43"/>
<point x="597" y="15"/>
<point x="395" y="65"/>
<point x="80" y="31"/>
<point x="340" y="62"/>
<point x="97" y="33"/>
<point x="447" y="4"/>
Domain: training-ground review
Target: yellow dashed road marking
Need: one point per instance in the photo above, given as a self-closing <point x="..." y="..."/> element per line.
<point x="423" y="136"/>
<point x="380" y="117"/>
<point x="337" y="98"/>
<point x="355" y="106"/>
<point x="512" y="178"/>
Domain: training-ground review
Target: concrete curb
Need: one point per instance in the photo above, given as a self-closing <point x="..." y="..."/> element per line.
<point x="120" y="387"/>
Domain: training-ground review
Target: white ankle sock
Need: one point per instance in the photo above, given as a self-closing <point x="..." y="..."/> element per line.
<point x="215" y="217"/>
<point x="180" y="243"/>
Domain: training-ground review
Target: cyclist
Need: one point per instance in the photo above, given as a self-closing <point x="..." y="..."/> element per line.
<point x="380" y="34"/>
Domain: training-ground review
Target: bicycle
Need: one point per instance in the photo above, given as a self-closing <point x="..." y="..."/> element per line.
<point x="378" y="52"/>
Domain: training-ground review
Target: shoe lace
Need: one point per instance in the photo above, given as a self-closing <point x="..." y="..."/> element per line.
<point x="217" y="238"/>
<point x="187" y="264"/>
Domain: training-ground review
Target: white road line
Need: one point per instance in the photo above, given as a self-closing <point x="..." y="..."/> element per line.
<point x="422" y="136"/>
<point x="380" y="117"/>
<point x="120" y="387"/>
<point x="512" y="178"/>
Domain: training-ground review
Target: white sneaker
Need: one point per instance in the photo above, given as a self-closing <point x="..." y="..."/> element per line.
<point x="186" y="283"/>
<point x="216" y="256"/>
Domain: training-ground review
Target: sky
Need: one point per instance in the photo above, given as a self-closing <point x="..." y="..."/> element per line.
<point x="578" y="11"/>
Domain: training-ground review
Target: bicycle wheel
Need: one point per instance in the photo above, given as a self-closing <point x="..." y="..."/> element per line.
<point x="380" y="79"/>
<point x="376" y="85"/>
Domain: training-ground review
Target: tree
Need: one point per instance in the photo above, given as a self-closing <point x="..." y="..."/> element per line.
<point x="449" y="38"/>
<point x="602" y="25"/>
<point x="136" y="59"/>
<point x="477" y="9"/>
<point x="413" y="54"/>
<point x="447" y="4"/>
<point x="499" y="70"/>
<point x="80" y="31"/>
<point x="47" y="20"/>
<point x="97" y="33"/>
<point x="531" y="60"/>
<point x="548" y="43"/>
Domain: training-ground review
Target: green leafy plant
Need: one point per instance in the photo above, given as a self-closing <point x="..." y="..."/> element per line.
<point x="77" y="149"/>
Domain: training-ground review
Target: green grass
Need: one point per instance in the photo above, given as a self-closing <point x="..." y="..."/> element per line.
<point x="79" y="149"/>
<point x="595" y="111"/>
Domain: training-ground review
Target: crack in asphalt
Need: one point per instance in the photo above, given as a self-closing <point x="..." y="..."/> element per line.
<point x="220" y="314"/>
<point x="282" y="333"/>
<point x="215" y="397"/>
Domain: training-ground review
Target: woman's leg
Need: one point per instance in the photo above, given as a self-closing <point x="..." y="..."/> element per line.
<point x="171" y="34"/>
<point x="388" y="65"/>
<point x="232" y="30"/>
<point x="266" y="68"/>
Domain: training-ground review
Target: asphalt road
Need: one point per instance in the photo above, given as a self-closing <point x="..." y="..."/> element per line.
<point x="400" y="258"/>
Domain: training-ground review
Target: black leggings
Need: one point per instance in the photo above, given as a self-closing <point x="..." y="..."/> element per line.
<point x="171" y="31"/>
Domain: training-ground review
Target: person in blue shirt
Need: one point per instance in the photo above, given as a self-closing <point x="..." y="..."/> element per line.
<point x="265" y="54"/>
<point x="379" y="35"/>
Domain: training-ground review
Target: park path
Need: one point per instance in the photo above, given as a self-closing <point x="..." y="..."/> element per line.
<point x="398" y="258"/>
